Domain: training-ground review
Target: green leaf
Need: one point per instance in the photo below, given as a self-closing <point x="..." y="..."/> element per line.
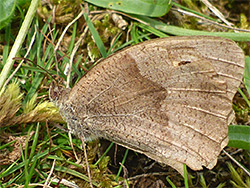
<point x="239" y="136"/>
<point x="247" y="74"/>
<point x="7" y="8"/>
<point x="152" y="8"/>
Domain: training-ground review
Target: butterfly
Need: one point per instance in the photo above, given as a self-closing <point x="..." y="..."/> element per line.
<point x="167" y="98"/>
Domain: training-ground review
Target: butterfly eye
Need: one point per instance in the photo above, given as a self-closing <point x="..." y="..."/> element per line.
<point x="183" y="63"/>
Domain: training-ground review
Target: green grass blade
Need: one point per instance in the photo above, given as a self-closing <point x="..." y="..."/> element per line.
<point x="114" y="43"/>
<point x="134" y="34"/>
<point x="152" y="30"/>
<point x="8" y="144"/>
<point x="19" y="166"/>
<point x="26" y="160"/>
<point x="104" y="154"/>
<point x="185" y="176"/>
<point x="12" y="180"/>
<point x="123" y="161"/>
<point x="174" y="30"/>
<point x="34" y="144"/>
<point x="129" y="43"/>
<point x="236" y="176"/>
<point x="96" y="36"/>
<point x="69" y="171"/>
<point x="72" y="41"/>
<point x="244" y="96"/>
<point x="170" y="182"/>
<point x="221" y="185"/>
<point x="203" y="182"/>
<point x="5" y="173"/>
<point x="247" y="74"/>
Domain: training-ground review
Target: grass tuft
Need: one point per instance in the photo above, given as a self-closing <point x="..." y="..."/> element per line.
<point x="11" y="103"/>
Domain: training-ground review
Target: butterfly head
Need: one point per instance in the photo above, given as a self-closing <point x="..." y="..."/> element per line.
<point x="58" y="93"/>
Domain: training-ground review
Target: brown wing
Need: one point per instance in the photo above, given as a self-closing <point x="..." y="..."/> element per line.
<point x="168" y="98"/>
